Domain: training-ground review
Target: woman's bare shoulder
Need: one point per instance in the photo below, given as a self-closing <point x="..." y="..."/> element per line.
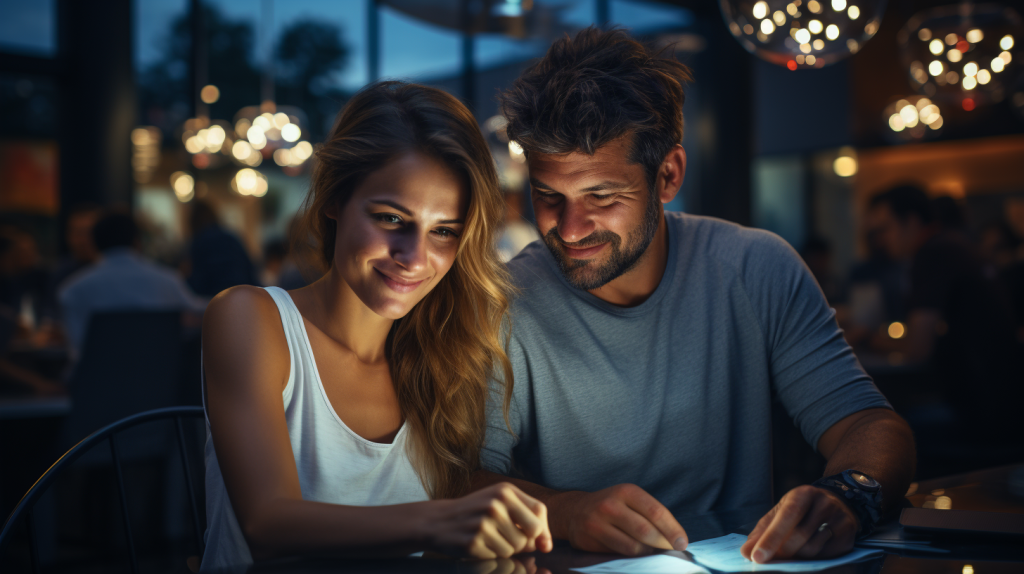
<point x="243" y="336"/>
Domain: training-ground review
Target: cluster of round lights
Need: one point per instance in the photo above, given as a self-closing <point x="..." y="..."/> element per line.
<point x="248" y="181"/>
<point x="802" y="33"/>
<point x="970" y="74"/>
<point x="961" y="54"/>
<point x="913" y="118"/>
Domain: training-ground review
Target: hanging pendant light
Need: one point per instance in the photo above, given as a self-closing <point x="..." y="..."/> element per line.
<point x="802" y="33"/>
<point x="967" y="55"/>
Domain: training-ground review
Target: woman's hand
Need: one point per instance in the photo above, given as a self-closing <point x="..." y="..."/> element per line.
<point x="495" y="522"/>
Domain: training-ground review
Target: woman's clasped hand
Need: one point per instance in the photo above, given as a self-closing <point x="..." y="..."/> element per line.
<point x="496" y="522"/>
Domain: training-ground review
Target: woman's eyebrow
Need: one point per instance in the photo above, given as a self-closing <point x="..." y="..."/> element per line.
<point x="393" y="204"/>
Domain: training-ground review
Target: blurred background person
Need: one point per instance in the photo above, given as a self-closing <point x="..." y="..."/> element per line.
<point x="817" y="254"/>
<point x="122" y="279"/>
<point x="81" y="248"/>
<point x="216" y="258"/>
<point x="958" y="321"/>
<point x="16" y="378"/>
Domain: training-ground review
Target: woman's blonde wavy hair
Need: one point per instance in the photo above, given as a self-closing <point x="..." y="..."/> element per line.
<point x="443" y="354"/>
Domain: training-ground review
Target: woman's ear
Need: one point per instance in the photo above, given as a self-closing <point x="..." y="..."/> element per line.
<point x="331" y="211"/>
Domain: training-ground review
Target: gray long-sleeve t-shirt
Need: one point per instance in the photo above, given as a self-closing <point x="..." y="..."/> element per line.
<point x="674" y="394"/>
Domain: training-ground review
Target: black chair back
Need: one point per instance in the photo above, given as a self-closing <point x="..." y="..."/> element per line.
<point x="107" y="439"/>
<point x="129" y="364"/>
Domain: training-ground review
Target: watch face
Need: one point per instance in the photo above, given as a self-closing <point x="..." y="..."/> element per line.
<point x="865" y="481"/>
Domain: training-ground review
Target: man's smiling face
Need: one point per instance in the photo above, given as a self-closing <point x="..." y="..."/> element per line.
<point x="596" y="213"/>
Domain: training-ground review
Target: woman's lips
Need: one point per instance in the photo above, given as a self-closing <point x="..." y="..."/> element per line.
<point x="398" y="285"/>
<point x="585" y="252"/>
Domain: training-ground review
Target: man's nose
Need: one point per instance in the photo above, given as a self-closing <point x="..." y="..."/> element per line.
<point x="574" y="222"/>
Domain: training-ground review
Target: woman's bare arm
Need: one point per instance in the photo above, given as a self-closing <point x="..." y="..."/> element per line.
<point x="246" y="362"/>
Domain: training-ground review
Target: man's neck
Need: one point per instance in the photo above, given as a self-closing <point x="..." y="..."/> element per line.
<point x="639" y="283"/>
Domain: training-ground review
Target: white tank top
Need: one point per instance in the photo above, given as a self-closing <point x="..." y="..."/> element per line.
<point x="335" y="464"/>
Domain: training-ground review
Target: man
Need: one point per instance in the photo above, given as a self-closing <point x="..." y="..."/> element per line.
<point x="216" y="258"/>
<point x="647" y="348"/>
<point x="121" y="280"/>
<point x="958" y="321"/>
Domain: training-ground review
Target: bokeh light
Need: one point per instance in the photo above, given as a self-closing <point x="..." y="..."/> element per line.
<point x="780" y="30"/>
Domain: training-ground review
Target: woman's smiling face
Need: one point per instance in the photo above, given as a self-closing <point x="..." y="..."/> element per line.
<point x="399" y="232"/>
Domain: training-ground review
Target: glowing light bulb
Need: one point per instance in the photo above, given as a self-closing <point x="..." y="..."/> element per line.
<point x="970" y="83"/>
<point x="896" y="123"/>
<point x="998" y="65"/>
<point x="767" y="27"/>
<point x="1006" y="42"/>
<point x="853" y="12"/>
<point x="815" y="26"/>
<point x="760" y="10"/>
<point x="935" y="46"/>
<point x="954" y="55"/>
<point x="832" y="32"/>
<point x="935" y="68"/>
<point x="974" y="36"/>
<point x="290" y="132"/>
<point x="802" y="36"/>
<point x="971" y="69"/>
<point x="984" y="77"/>
<point x="839" y="5"/>
<point x="780" y="17"/>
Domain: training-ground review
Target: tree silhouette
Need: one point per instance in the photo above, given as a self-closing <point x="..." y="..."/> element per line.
<point x="308" y="53"/>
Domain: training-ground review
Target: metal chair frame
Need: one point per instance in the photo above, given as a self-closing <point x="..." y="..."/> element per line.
<point x="109" y="434"/>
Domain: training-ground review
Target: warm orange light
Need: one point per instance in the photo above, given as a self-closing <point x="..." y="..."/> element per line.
<point x="209" y="94"/>
<point x="968" y="104"/>
<point x="791" y="65"/>
<point x="897" y="330"/>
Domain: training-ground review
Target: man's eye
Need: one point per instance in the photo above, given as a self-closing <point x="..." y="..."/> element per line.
<point x="549" y="197"/>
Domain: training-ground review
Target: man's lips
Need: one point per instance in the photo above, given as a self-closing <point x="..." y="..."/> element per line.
<point x="397" y="284"/>
<point x="584" y="252"/>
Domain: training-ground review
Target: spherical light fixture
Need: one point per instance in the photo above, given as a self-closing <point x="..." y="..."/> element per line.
<point x="802" y="33"/>
<point x="962" y="52"/>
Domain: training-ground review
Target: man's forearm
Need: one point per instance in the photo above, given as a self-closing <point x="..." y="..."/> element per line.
<point x="880" y="445"/>
<point x="557" y="501"/>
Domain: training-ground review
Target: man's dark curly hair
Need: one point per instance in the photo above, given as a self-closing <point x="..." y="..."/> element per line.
<point x="591" y="89"/>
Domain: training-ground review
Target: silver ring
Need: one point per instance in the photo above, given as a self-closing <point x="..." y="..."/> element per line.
<point x="823" y="526"/>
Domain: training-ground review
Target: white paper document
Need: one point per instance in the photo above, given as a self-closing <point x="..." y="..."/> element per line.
<point x="668" y="563"/>
<point x="721" y="554"/>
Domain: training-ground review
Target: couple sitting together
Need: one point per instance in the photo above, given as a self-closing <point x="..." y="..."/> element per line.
<point x="617" y="374"/>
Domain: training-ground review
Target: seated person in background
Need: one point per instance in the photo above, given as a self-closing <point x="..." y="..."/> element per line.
<point x="959" y="321"/>
<point x="15" y="378"/>
<point x="346" y="417"/>
<point x="648" y="347"/>
<point x="82" y="250"/>
<point x="216" y="258"/>
<point x="122" y="280"/>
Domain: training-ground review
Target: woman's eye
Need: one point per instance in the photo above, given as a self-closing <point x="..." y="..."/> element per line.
<point x="388" y="218"/>
<point x="446" y="233"/>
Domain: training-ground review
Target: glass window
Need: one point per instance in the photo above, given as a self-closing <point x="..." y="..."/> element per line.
<point x="646" y="17"/>
<point x="29" y="27"/>
<point x="414" y="49"/>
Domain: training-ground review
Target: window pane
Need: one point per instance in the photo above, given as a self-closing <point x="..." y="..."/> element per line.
<point x="415" y="50"/>
<point x="29" y="27"/>
<point x="646" y="17"/>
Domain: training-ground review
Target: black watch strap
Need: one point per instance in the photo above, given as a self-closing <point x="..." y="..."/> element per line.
<point x="865" y="500"/>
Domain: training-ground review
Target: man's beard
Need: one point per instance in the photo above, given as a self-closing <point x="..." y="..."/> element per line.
<point x="586" y="274"/>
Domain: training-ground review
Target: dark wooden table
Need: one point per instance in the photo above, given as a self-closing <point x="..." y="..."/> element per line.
<point x="999" y="489"/>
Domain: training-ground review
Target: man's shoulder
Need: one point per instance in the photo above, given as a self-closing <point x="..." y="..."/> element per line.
<point x="725" y="243"/>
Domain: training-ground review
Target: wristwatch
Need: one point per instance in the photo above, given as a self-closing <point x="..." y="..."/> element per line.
<point x="860" y="492"/>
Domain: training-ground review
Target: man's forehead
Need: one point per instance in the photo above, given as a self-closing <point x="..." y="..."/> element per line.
<point x="610" y="161"/>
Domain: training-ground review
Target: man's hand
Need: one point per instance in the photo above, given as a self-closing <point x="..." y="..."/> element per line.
<point x="793" y="528"/>
<point x="623" y="519"/>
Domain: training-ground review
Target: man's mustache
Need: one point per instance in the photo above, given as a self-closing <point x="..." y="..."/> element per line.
<point x="595" y="238"/>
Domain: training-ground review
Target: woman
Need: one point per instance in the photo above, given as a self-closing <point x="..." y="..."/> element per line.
<point x="347" y="416"/>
